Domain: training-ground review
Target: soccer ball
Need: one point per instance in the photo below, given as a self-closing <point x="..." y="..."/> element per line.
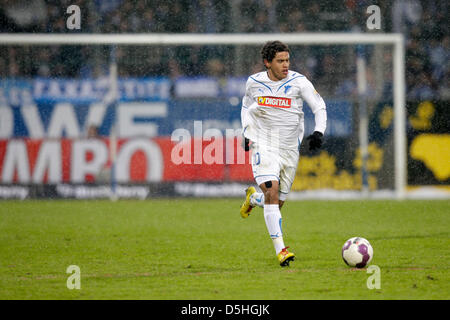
<point x="357" y="252"/>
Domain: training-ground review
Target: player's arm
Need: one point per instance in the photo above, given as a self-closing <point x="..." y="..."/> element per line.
<point x="318" y="107"/>
<point x="246" y="102"/>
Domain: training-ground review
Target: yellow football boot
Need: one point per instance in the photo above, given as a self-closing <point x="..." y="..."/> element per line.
<point x="285" y="257"/>
<point x="246" y="206"/>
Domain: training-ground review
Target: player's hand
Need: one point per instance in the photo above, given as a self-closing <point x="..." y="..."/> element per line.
<point x="246" y="144"/>
<point x="315" y="140"/>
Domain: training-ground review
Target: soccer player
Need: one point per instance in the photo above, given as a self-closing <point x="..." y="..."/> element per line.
<point x="273" y="127"/>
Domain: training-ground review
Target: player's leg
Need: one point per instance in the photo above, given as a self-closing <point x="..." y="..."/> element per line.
<point x="263" y="167"/>
<point x="287" y="175"/>
<point x="257" y="199"/>
<point x="266" y="170"/>
<point x="289" y="160"/>
<point x="272" y="214"/>
<point x="288" y="171"/>
<point x="272" y="217"/>
<point x="270" y="191"/>
<point x="254" y="199"/>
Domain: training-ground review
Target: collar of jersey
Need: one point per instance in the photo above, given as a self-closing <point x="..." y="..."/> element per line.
<point x="299" y="76"/>
<point x="265" y="85"/>
<point x="281" y="86"/>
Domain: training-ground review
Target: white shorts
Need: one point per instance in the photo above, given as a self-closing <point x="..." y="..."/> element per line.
<point x="269" y="164"/>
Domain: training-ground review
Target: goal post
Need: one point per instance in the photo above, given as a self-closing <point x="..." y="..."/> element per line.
<point x="257" y="39"/>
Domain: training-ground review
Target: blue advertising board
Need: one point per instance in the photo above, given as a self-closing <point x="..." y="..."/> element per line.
<point x="55" y="108"/>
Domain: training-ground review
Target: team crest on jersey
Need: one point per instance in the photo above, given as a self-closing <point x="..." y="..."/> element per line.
<point x="276" y="102"/>
<point x="286" y="89"/>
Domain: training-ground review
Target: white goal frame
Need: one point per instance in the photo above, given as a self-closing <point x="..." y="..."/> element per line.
<point x="394" y="39"/>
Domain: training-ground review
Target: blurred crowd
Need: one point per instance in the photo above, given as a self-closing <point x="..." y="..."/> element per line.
<point x="424" y="24"/>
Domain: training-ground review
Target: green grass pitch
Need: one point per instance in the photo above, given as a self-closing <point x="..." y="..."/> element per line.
<point x="170" y="249"/>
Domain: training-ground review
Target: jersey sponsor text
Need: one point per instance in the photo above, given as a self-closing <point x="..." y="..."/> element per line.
<point x="276" y="102"/>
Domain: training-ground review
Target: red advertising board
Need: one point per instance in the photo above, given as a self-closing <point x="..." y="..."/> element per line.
<point x="136" y="160"/>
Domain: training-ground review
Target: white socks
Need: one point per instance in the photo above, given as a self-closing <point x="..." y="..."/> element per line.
<point x="272" y="216"/>
<point x="257" y="199"/>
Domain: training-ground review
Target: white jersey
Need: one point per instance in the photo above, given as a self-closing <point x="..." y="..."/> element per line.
<point x="272" y="111"/>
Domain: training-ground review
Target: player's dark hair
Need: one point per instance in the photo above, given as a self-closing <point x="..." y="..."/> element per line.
<point x="270" y="49"/>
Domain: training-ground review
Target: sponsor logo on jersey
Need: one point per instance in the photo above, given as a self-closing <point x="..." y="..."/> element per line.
<point x="275" y="102"/>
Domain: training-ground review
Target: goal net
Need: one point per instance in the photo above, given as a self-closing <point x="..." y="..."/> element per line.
<point x="143" y="115"/>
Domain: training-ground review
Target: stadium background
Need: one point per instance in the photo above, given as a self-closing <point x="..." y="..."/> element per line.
<point x="51" y="117"/>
